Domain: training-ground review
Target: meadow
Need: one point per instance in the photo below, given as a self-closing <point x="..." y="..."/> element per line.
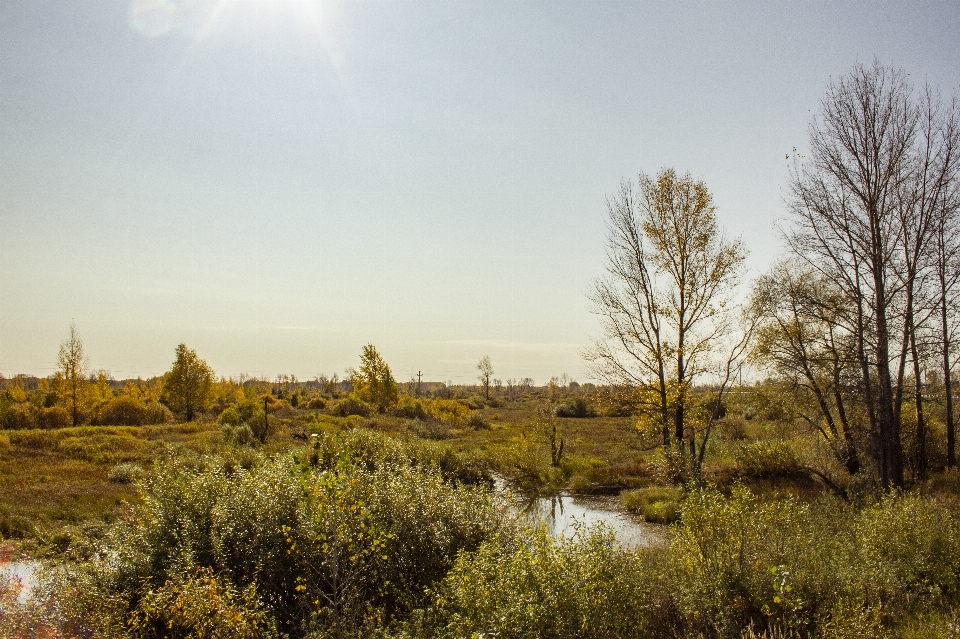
<point x="340" y="520"/>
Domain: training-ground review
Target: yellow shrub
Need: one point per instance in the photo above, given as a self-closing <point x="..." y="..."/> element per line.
<point x="449" y="411"/>
<point x="201" y="607"/>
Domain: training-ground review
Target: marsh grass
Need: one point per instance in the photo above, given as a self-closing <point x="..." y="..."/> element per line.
<point x="53" y="479"/>
<point x="775" y="554"/>
<point x="657" y="504"/>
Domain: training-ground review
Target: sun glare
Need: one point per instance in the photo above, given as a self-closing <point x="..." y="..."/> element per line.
<point x="199" y="19"/>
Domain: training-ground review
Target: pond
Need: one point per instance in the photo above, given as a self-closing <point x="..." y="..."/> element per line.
<point x="21" y="571"/>
<point x="562" y="512"/>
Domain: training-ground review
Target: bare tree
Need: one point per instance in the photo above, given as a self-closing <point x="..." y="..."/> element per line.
<point x="805" y="334"/>
<point x="664" y="305"/>
<point x="925" y="203"/>
<point x="486" y="372"/>
<point x="946" y="261"/>
<point x="863" y="210"/>
<point x="72" y="366"/>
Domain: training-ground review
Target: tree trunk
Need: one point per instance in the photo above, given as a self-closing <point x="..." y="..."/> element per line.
<point x="920" y="448"/>
<point x="947" y="382"/>
<point x="889" y="427"/>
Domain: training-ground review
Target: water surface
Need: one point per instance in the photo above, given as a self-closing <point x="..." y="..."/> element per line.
<point x="562" y="513"/>
<point x="24" y="572"/>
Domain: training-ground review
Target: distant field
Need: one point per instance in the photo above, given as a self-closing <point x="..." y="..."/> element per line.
<point x="63" y="484"/>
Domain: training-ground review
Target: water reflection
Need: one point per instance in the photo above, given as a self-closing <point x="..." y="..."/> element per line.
<point x="22" y="572"/>
<point x="561" y="513"/>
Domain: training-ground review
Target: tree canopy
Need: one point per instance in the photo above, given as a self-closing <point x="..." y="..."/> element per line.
<point x="664" y="303"/>
<point x="188" y="384"/>
<point x="374" y="382"/>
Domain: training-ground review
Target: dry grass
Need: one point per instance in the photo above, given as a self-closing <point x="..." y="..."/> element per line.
<point x="52" y="479"/>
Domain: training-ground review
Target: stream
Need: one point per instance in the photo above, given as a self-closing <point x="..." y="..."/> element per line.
<point x="562" y="512"/>
<point x="22" y="571"/>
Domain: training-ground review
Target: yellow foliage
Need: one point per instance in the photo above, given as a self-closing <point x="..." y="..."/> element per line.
<point x="201" y="607"/>
<point x="15" y="390"/>
<point x="448" y="410"/>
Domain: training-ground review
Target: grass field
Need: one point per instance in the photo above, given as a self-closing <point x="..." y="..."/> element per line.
<point x="58" y="487"/>
<point x="68" y="494"/>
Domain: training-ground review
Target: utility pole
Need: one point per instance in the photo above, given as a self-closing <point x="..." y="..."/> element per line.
<point x="418" y="383"/>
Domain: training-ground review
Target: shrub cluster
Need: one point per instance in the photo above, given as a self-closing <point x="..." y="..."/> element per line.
<point x="124" y="410"/>
<point x="120" y="410"/>
<point x="736" y="563"/>
<point x="369" y="536"/>
<point x="477" y="421"/>
<point x="767" y="459"/>
<point x="351" y="405"/>
<point x="657" y="504"/>
<point x="410" y="408"/>
<point x="577" y="407"/>
<point x="336" y="545"/>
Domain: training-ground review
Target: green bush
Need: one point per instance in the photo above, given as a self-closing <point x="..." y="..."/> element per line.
<point x="19" y="417"/>
<point x="477" y="421"/>
<point x="532" y="586"/>
<point x="765" y="459"/>
<point x="410" y="408"/>
<point x="474" y="402"/>
<point x="239" y="435"/>
<point x="577" y="407"/>
<point x="156" y="413"/>
<point x="821" y="570"/>
<point x="316" y="403"/>
<point x="54" y="417"/>
<point x="741" y="562"/>
<point x="328" y="548"/>
<point x="351" y="405"/>
<point x="374" y="450"/>
<point x="125" y="474"/>
<point x="657" y="504"/>
<point x="909" y="545"/>
<point x="122" y="410"/>
<point x="231" y="417"/>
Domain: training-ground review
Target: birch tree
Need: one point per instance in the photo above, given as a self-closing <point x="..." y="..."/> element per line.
<point x="665" y="302"/>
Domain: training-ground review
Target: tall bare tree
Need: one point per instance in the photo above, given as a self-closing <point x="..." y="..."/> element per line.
<point x="864" y="211"/>
<point x="71" y="377"/>
<point x="946" y="260"/>
<point x="664" y="303"/>
<point x="926" y="202"/>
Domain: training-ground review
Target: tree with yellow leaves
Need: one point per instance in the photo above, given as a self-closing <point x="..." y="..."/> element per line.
<point x="664" y="304"/>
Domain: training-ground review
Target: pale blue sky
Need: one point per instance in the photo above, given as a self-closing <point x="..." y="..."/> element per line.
<point x="278" y="182"/>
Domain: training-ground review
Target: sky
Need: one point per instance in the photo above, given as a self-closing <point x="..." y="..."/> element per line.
<point x="276" y="183"/>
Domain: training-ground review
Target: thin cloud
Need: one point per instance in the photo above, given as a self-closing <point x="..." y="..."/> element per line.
<point x="517" y="346"/>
